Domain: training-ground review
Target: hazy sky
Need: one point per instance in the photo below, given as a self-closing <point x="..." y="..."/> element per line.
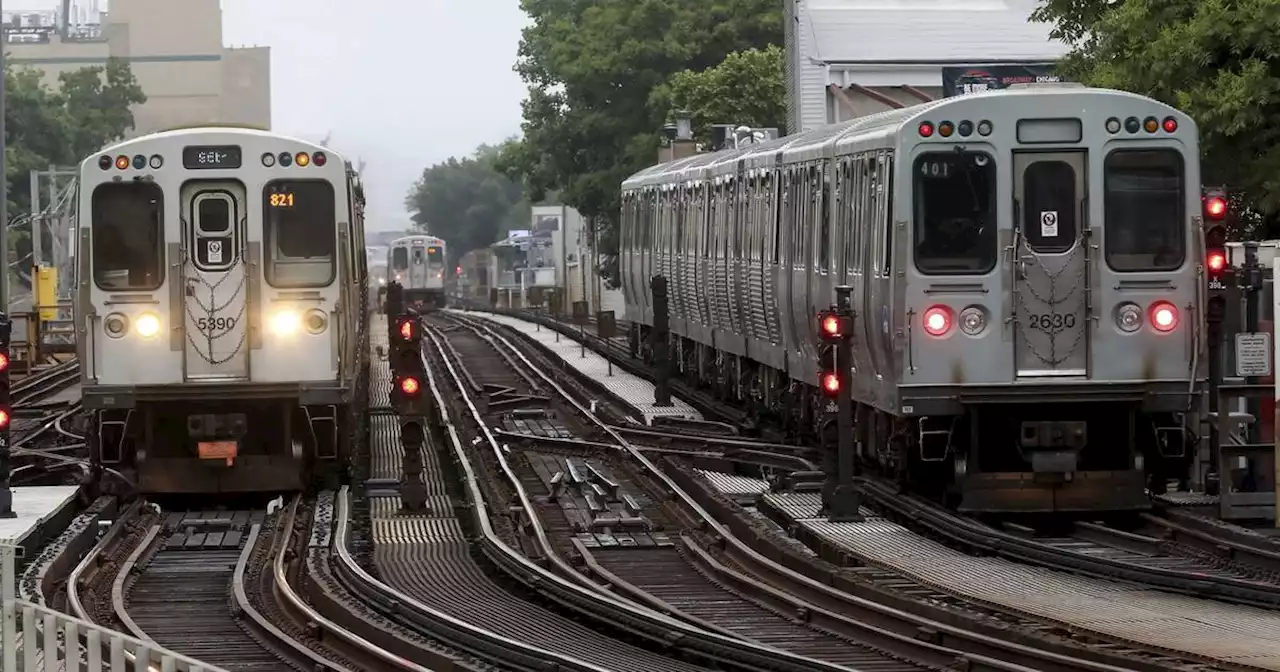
<point x="401" y="84"/>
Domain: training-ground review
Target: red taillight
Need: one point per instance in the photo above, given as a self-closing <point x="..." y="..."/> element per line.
<point x="937" y="320"/>
<point x="1215" y="207"/>
<point x="1216" y="261"/>
<point x="1163" y="316"/>
<point x="406" y="330"/>
<point x="926" y="129"/>
<point x="830" y="383"/>
<point x="410" y="386"/>
<point x="319" y="158"/>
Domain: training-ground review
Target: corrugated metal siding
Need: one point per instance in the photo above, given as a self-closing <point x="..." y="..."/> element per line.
<point x="791" y="50"/>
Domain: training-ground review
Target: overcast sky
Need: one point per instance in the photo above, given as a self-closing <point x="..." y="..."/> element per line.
<point x="401" y="84"/>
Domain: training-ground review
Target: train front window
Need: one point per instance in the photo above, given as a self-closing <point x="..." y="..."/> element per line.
<point x="399" y="258"/>
<point x="128" y="236"/>
<point x="300" y="233"/>
<point x="955" y="213"/>
<point x="1145" y="227"/>
<point x="435" y="257"/>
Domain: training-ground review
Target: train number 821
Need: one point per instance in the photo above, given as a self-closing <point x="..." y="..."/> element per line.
<point x="216" y="323"/>
<point x="1053" y="322"/>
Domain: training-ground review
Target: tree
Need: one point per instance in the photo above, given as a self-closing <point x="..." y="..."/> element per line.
<point x="44" y="126"/>
<point x="592" y="67"/>
<point x="748" y="87"/>
<point x="1216" y="61"/>
<point x="468" y="202"/>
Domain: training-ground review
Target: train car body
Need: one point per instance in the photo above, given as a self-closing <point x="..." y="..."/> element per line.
<point x="418" y="264"/>
<point x="221" y="310"/>
<point x="1025" y="268"/>
<point x="476" y="277"/>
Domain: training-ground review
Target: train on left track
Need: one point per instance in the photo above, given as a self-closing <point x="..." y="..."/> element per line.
<point x="418" y="263"/>
<point x="1027" y="278"/>
<point x="222" y="310"/>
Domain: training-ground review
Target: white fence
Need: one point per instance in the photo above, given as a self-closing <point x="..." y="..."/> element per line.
<point x="39" y="639"/>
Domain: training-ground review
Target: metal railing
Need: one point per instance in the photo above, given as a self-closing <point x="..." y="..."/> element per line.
<point x="35" y="638"/>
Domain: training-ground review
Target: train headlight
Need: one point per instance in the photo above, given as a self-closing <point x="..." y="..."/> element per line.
<point x="316" y="321"/>
<point x="148" y="325"/>
<point x="285" y="323"/>
<point x="1129" y="317"/>
<point x="973" y="320"/>
<point x="116" y="325"/>
<point x="382" y="281"/>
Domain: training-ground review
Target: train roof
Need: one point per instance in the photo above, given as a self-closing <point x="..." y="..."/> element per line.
<point x="870" y="130"/>
<point x="187" y="134"/>
<point x="406" y="240"/>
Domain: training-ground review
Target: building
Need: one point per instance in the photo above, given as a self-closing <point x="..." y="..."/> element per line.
<point x="175" y="50"/>
<point x="850" y="58"/>
<point x="551" y="255"/>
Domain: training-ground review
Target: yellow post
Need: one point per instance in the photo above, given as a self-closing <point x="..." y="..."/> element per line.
<point x="46" y="292"/>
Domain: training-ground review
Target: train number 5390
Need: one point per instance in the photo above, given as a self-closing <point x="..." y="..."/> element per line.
<point x="1053" y="322"/>
<point x="215" y="323"/>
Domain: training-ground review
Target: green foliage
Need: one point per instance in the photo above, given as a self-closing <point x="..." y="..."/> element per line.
<point x="1215" y="60"/>
<point x="749" y="87"/>
<point x="468" y="202"/>
<point x="592" y="67"/>
<point x="44" y="126"/>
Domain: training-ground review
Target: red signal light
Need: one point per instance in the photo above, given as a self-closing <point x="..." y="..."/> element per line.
<point x="830" y="382"/>
<point x="406" y="330"/>
<point x="830" y="325"/>
<point x="1215" y="207"/>
<point x="410" y="386"/>
<point x="1216" y="261"/>
<point x="4" y="418"/>
<point x="4" y="362"/>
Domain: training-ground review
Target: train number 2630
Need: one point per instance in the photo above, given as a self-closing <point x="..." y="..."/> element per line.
<point x="216" y="323"/>
<point x="1053" y="322"/>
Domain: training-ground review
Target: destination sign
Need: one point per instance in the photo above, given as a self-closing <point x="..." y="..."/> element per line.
<point x="211" y="157"/>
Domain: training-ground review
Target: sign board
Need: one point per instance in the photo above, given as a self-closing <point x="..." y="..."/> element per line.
<point x="581" y="311"/>
<point x="606" y="324"/>
<point x="1049" y="224"/>
<point x="958" y="81"/>
<point x="1253" y="354"/>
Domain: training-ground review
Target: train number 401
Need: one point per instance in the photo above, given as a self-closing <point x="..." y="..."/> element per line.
<point x="215" y="323"/>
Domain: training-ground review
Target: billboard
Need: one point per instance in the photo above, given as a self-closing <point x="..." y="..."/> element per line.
<point x="957" y="81"/>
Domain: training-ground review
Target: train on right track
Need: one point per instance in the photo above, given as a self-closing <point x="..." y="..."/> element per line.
<point x="1027" y="282"/>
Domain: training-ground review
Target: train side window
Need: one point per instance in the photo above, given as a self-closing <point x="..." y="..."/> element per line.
<point x="954" y="196"/>
<point x="300" y="233"/>
<point x="399" y="258"/>
<point x="128" y="236"/>
<point x="1145" y="206"/>
<point x="860" y="183"/>
<point x="887" y="180"/>
<point x="872" y="214"/>
<point x="824" y="240"/>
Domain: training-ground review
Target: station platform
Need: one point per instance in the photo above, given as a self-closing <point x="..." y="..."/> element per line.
<point x="43" y="511"/>
<point x="633" y="390"/>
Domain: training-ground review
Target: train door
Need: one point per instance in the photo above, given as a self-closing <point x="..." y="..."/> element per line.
<point x="215" y="281"/>
<point x="416" y="275"/>
<point x="1051" y="265"/>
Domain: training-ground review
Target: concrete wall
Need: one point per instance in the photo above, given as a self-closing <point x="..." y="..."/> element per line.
<point x="175" y="50"/>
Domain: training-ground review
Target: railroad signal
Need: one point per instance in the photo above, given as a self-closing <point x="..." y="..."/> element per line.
<point x="407" y="329"/>
<point x="409" y="386"/>
<point x="834" y="325"/>
<point x="1216" y="212"/>
<point x="830" y="380"/>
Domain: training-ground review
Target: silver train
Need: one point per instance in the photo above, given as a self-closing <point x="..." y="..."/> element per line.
<point x="1026" y="271"/>
<point x="221" y="306"/>
<point x="418" y="264"/>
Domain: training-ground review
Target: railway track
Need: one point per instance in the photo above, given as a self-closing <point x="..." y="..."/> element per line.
<point x="214" y="585"/>
<point x="732" y="562"/>
<point x="29" y="392"/>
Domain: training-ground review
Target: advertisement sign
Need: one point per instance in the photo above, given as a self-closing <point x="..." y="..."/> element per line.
<point x="957" y="81"/>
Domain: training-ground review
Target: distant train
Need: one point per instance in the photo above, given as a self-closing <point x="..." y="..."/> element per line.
<point x="418" y="264"/>
<point x="1026" y="274"/>
<point x="222" y="305"/>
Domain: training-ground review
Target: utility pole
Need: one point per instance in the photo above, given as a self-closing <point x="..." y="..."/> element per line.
<point x="6" y="328"/>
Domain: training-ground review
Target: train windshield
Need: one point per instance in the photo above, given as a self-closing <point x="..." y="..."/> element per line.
<point x="399" y="258"/>
<point x="300" y="232"/>
<point x="1145" y="228"/>
<point x="435" y="256"/>
<point x="128" y="236"/>
<point x="955" y="213"/>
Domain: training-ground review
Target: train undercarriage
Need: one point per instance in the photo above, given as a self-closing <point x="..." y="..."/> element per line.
<point x="424" y="299"/>
<point x="993" y="454"/>
<point x="226" y="444"/>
